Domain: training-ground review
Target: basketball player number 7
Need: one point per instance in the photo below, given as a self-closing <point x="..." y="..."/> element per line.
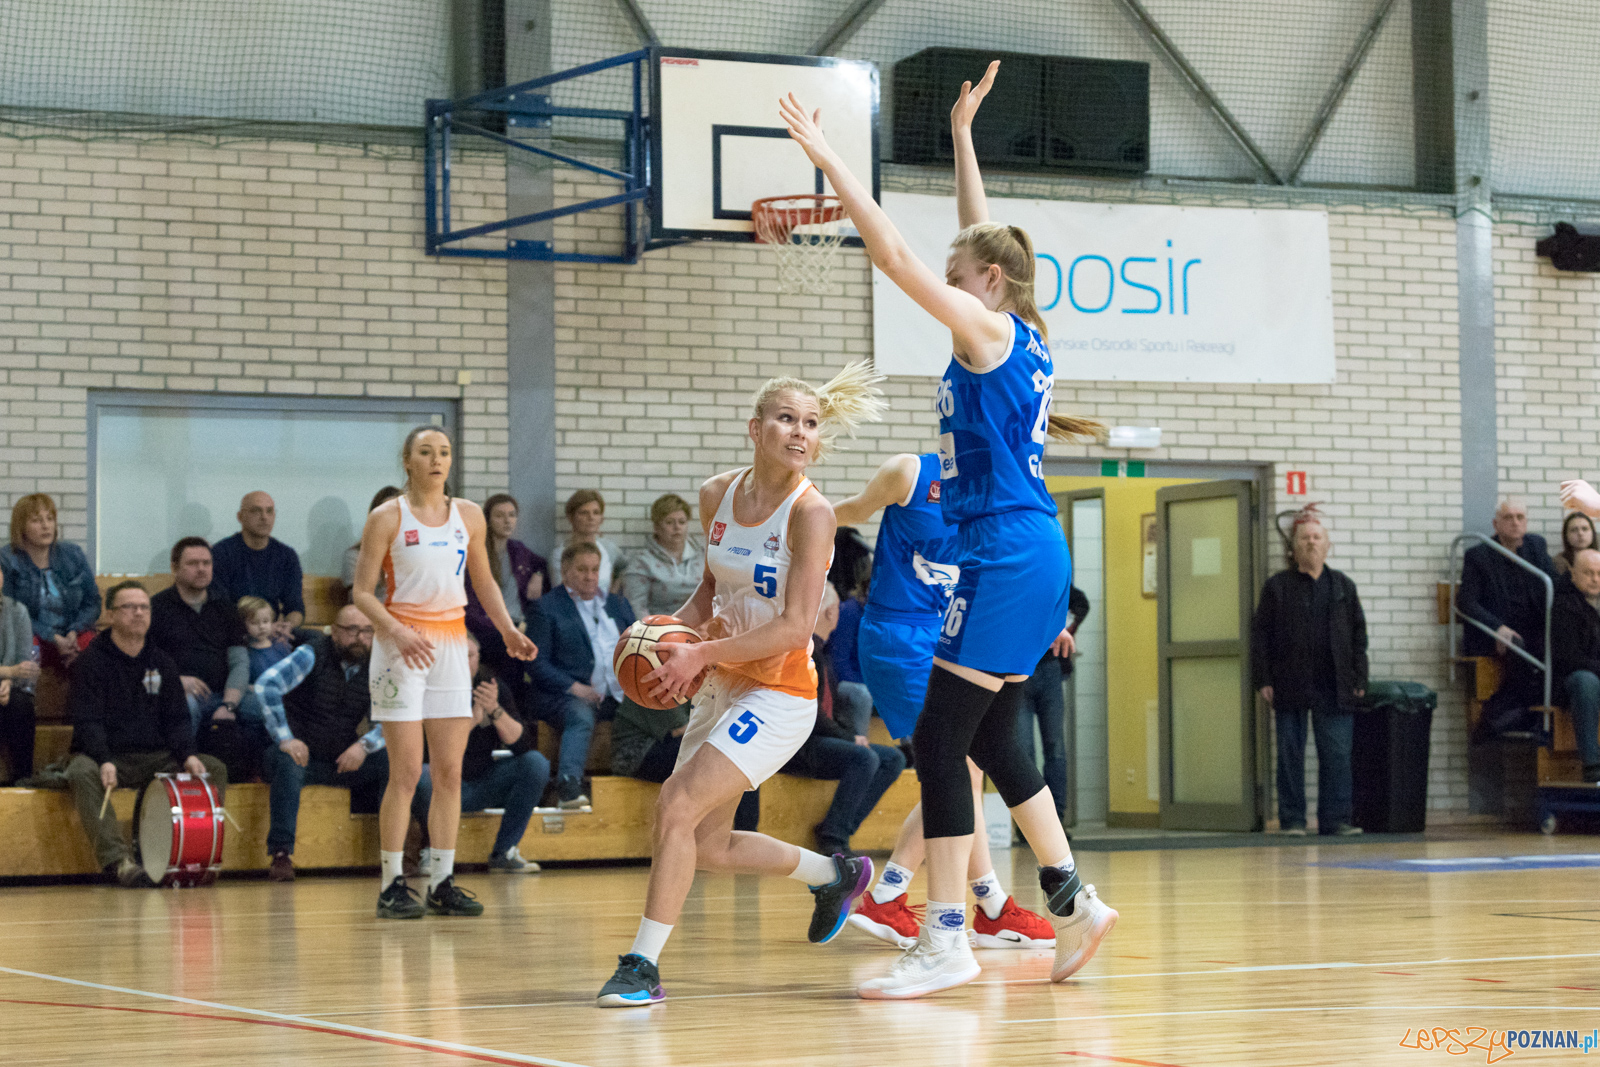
<point x="462" y="561"/>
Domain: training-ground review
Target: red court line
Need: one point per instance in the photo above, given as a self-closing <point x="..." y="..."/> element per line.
<point x="1231" y="963"/>
<point x="1119" y="1059"/>
<point x="1579" y="988"/>
<point x="1496" y="981"/>
<point x="285" y="1025"/>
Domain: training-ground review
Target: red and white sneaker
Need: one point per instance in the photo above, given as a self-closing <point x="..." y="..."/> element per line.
<point x="895" y="922"/>
<point x="1014" y="927"/>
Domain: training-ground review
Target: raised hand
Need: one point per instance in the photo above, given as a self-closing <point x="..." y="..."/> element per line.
<point x="1581" y="496"/>
<point x="806" y="130"/>
<point x="967" y="103"/>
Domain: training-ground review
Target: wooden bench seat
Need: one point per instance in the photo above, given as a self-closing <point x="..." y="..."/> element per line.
<point x="40" y="835"/>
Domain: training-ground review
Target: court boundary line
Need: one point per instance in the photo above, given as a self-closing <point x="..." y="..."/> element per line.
<point x="1304" y="1010"/>
<point x="426" y="1044"/>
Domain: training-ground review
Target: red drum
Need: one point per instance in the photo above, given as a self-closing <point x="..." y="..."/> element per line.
<point x="178" y="830"/>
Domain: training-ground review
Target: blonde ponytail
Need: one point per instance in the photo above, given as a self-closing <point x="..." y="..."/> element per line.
<point x="1076" y="427"/>
<point x="849" y="400"/>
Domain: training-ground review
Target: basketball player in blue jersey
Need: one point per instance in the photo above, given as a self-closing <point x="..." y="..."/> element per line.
<point x="1010" y="600"/>
<point x="913" y="572"/>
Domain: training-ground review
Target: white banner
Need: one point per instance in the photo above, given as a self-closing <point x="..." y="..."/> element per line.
<point x="1136" y="292"/>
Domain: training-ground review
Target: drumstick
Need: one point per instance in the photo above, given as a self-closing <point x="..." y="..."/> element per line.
<point x="104" y="804"/>
<point x="226" y="814"/>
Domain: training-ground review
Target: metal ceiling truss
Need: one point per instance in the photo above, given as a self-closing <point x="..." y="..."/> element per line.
<point x="527" y="105"/>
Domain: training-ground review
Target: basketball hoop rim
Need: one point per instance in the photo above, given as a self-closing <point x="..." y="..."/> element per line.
<point x="828" y="206"/>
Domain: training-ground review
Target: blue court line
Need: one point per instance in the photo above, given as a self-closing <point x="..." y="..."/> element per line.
<point x="1465" y="864"/>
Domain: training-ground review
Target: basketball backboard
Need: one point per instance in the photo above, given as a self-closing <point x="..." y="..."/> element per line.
<point x="717" y="143"/>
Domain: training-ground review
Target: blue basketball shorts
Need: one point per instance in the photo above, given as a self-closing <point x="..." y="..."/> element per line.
<point x="1011" y="600"/>
<point x="895" y="658"/>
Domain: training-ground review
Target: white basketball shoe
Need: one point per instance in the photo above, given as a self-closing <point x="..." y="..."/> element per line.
<point x="1078" y="935"/>
<point x="938" y="960"/>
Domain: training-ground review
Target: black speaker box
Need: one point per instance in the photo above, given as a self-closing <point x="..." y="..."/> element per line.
<point x="1044" y="112"/>
<point x="1570" y="249"/>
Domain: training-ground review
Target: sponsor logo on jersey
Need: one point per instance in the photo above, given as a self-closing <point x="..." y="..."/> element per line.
<point x="717" y="530"/>
<point x="947" y="456"/>
<point x="461" y="535"/>
<point x="940" y="574"/>
<point x="933" y="491"/>
<point x="772" y="543"/>
<point x="413" y="537"/>
<point x="438" y="544"/>
<point x="738" y="551"/>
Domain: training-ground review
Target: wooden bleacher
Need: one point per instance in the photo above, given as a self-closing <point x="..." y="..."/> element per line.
<point x="1480" y="677"/>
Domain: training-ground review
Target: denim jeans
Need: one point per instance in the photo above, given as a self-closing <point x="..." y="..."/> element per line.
<point x="515" y="784"/>
<point x="202" y="708"/>
<point x="575" y="719"/>
<point x="1334" y="731"/>
<point x="286" y="778"/>
<point x="853" y="710"/>
<point x="1041" y="698"/>
<point x="864" y="772"/>
<point x="1583" y="703"/>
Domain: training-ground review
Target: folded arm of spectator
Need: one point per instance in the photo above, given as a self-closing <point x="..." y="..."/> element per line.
<point x="278" y="680"/>
<point x="372" y="740"/>
<point x="238" y="675"/>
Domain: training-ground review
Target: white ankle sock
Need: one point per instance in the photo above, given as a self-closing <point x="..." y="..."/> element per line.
<point x="444" y="865"/>
<point x="651" y="939"/>
<point x="991" y="897"/>
<point x="947" y="918"/>
<point x="392" y="864"/>
<point x="815" y="869"/>
<point x="894" y="882"/>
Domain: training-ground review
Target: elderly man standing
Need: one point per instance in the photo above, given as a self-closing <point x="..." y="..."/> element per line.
<point x="1575" y="650"/>
<point x="254" y="563"/>
<point x="1509" y="600"/>
<point x="130" y="722"/>
<point x="1308" y="647"/>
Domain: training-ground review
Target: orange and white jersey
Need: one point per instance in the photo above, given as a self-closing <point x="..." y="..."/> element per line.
<point x="425" y="573"/>
<point x="751" y="568"/>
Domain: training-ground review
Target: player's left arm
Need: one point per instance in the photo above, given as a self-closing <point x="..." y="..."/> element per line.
<point x="888" y="485"/>
<point x="811" y="529"/>
<point x="483" y="583"/>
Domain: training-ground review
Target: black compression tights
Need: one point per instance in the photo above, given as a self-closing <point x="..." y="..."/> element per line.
<point x="960" y="719"/>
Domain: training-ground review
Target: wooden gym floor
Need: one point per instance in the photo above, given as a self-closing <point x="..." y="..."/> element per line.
<point x="1225" y="956"/>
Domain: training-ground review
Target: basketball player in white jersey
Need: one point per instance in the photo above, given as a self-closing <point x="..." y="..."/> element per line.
<point x="769" y="542"/>
<point x="425" y="544"/>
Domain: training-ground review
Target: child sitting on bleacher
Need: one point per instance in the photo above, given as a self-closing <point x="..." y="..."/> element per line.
<point x="264" y="647"/>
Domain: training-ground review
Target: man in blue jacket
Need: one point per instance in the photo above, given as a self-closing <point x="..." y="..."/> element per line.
<point x="576" y="627"/>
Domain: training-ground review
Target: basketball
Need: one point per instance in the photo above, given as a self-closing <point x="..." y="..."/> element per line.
<point x="636" y="657"/>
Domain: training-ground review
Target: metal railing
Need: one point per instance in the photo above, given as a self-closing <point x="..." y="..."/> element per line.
<point x="1544" y="666"/>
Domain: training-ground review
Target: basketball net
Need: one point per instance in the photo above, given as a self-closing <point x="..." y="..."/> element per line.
<point x="805" y="233"/>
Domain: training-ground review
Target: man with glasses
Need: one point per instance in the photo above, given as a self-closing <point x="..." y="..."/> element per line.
<point x="130" y="722"/>
<point x="318" y="708"/>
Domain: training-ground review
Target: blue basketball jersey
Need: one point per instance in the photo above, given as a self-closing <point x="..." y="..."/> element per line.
<point x="914" y="563"/>
<point x="992" y="430"/>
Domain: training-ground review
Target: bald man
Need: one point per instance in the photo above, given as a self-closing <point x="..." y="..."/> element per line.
<point x="254" y="563"/>
<point x="1509" y="600"/>
<point x="1575" y="649"/>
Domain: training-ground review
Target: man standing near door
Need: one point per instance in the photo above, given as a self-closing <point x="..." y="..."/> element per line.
<point x="1308" y="645"/>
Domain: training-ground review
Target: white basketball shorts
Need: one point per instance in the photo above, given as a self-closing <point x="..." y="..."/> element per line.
<point x="758" y="729"/>
<point x="410" y="694"/>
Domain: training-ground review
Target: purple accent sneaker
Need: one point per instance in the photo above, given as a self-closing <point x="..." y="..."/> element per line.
<point x="835" y="900"/>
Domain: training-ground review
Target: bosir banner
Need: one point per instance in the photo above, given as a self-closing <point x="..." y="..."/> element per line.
<point x="1135" y="292"/>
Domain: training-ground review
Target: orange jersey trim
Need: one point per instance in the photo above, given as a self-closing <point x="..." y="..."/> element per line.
<point x="447" y="625"/>
<point x="794" y="674"/>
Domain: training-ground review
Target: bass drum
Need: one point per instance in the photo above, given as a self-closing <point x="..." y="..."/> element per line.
<point x="178" y="830"/>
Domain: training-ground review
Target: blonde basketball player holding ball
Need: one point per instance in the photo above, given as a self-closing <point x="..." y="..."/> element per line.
<point x="425" y="544"/>
<point x="769" y="542"/>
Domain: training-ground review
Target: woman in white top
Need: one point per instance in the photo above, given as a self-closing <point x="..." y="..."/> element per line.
<point x="769" y="541"/>
<point x="586" y="512"/>
<point x="425" y="543"/>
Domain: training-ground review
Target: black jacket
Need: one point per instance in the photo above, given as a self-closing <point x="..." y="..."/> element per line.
<point x="327" y="710"/>
<point x="1281" y="620"/>
<point x="478" y="760"/>
<point x="197" y="641"/>
<point x="1498" y="593"/>
<point x="121" y="703"/>
<point x="1574" y="632"/>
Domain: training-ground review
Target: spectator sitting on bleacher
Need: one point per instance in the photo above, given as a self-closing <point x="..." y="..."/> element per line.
<point x="1577" y="534"/>
<point x="1510" y="601"/>
<point x="586" y="513"/>
<point x="18" y="671"/>
<point x="318" y="709"/>
<point x="129" y="723"/>
<point x="521" y="574"/>
<point x="576" y="626"/>
<point x="664" y="574"/>
<point x="195" y="622"/>
<point x="347" y="568"/>
<point x="52" y="579"/>
<point x="262" y="648"/>
<point x="864" y="771"/>
<point x="254" y="563"/>
<point x="1575" y="651"/>
<point x="513" y="784"/>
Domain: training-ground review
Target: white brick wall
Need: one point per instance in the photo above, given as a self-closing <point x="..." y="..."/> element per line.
<point x="264" y="268"/>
